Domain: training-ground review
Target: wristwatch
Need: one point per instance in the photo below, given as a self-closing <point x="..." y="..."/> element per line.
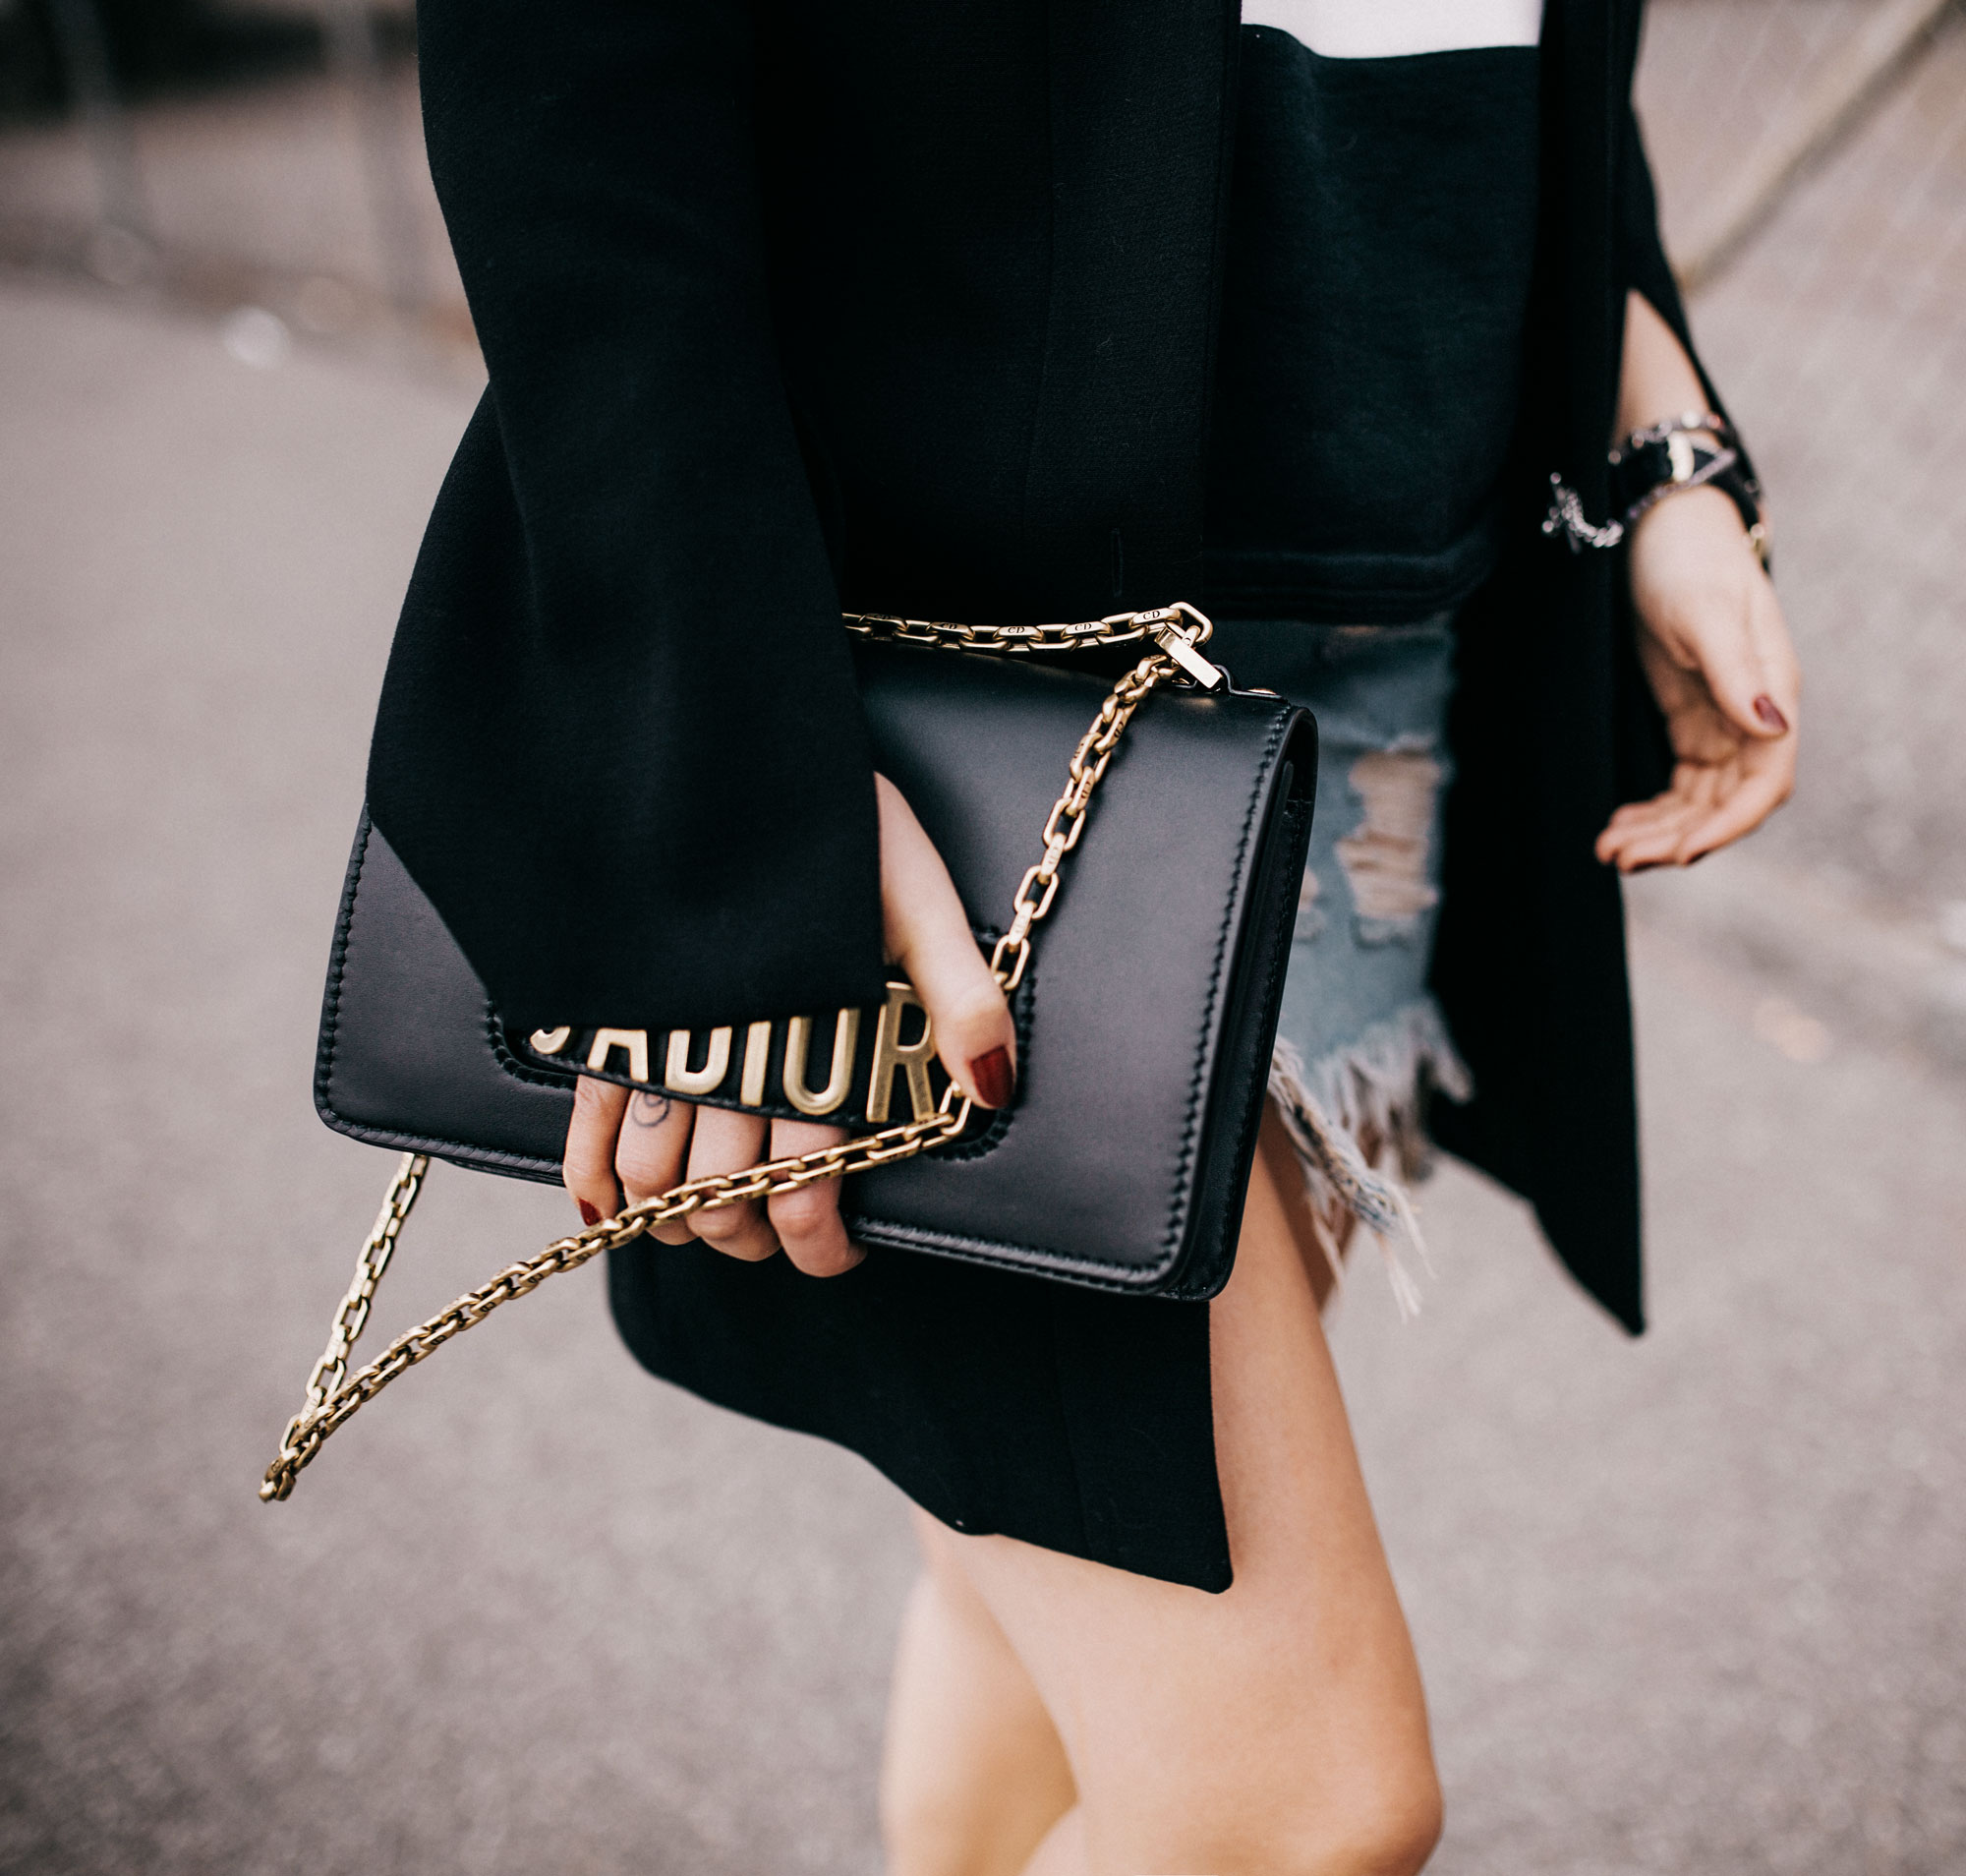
<point x="1676" y="454"/>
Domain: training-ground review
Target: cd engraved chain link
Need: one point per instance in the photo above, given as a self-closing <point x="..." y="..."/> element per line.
<point x="334" y="1396"/>
<point x="1116" y="628"/>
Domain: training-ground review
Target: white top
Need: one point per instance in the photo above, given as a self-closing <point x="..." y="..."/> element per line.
<point x="1393" y="29"/>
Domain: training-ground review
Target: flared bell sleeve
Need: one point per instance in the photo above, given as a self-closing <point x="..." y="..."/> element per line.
<point x="1641" y="252"/>
<point x="1641" y="258"/>
<point x="618" y="745"/>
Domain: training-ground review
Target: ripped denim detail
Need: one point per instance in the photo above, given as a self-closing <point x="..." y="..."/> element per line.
<point x="1361" y="1040"/>
<point x="1386" y="856"/>
<point x="1370" y="1091"/>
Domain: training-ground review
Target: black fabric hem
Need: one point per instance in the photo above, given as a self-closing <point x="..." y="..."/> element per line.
<point x="1347" y="589"/>
<point x="1000" y="1404"/>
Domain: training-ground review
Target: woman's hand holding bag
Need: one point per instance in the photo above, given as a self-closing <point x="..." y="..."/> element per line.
<point x="625" y="1145"/>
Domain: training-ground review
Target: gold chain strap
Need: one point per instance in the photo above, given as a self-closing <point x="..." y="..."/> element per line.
<point x="333" y="1395"/>
<point x="1178" y="629"/>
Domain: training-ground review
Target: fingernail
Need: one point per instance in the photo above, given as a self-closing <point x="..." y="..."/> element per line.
<point x="990" y="1076"/>
<point x="1765" y="708"/>
<point x="589" y="1214"/>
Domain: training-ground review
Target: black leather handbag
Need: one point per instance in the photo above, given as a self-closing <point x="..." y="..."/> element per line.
<point x="1169" y="865"/>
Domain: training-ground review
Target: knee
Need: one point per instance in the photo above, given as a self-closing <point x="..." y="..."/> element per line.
<point x="1384" y="1820"/>
<point x="1390" y="1830"/>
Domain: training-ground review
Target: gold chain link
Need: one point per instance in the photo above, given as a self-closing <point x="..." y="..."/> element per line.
<point x="334" y="1396"/>
<point x="1116" y="628"/>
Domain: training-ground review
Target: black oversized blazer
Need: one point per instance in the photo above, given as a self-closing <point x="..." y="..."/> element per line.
<point x="909" y="305"/>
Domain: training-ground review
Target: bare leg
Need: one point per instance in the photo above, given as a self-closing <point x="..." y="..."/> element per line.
<point x="1279" y="1728"/>
<point x="1318" y="1240"/>
<point x="975" y="1773"/>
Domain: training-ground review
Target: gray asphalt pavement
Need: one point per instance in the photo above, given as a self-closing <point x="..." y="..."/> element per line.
<point x="1685" y="1605"/>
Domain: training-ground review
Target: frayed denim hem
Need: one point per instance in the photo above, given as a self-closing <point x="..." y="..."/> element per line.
<point x="1372" y="1089"/>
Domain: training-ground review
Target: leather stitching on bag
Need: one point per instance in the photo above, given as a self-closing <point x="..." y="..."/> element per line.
<point x="1191" y="1127"/>
<point x="456" y="1151"/>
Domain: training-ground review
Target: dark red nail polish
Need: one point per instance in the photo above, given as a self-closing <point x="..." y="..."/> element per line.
<point x="589" y="1214"/>
<point x="990" y="1075"/>
<point x="1765" y="708"/>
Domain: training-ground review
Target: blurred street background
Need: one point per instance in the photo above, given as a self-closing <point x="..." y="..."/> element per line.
<point x="1688" y="1605"/>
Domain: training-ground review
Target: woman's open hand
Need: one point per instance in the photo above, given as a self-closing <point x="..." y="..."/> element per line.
<point x="632" y="1144"/>
<point x="1717" y="652"/>
<point x="1711" y="639"/>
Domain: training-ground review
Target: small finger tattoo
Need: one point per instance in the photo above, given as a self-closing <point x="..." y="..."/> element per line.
<point x="647" y="1108"/>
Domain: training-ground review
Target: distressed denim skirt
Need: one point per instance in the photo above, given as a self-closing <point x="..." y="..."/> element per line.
<point x="1361" y="1043"/>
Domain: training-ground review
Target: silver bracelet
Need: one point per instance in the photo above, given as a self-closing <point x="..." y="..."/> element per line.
<point x="1674" y="427"/>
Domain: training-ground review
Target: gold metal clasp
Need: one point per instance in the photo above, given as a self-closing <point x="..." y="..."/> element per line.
<point x="1182" y="645"/>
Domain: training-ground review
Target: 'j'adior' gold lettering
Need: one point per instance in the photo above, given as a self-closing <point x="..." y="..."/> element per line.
<point x="680" y="1079"/>
<point x="838" y="1074"/>
<point x="635" y="1041"/>
<point x="891" y="1057"/>
<point x="756" y="1058"/>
